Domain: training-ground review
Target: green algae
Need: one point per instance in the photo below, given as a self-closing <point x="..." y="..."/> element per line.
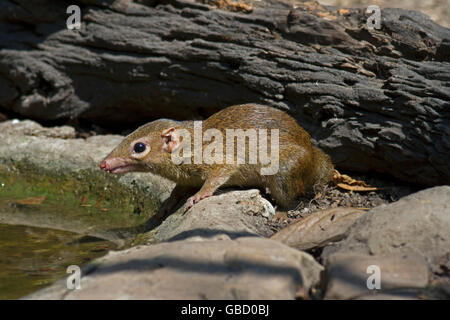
<point x="76" y="213"/>
<point x="75" y="199"/>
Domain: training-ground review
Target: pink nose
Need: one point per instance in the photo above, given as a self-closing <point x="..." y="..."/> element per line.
<point x="104" y="165"/>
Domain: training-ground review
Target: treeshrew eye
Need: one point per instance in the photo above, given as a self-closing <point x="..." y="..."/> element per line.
<point x="139" y="147"/>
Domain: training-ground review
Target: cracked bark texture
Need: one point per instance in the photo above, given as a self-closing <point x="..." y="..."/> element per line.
<point x="375" y="100"/>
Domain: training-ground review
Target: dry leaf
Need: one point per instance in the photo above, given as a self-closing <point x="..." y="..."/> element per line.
<point x="231" y="5"/>
<point x="31" y="201"/>
<point x="344" y="11"/>
<point x="46" y="269"/>
<point x="100" y="248"/>
<point x="318" y="196"/>
<point x="345" y="182"/>
<point x="99" y="202"/>
<point x="326" y="15"/>
<point x="281" y="216"/>
<point x="355" y="188"/>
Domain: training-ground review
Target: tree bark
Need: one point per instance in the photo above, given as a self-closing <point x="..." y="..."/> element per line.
<point x="372" y="99"/>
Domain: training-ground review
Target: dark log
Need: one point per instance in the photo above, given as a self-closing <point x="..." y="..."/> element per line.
<point x="373" y="99"/>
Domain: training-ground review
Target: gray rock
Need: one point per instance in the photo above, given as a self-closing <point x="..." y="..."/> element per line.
<point x="197" y="268"/>
<point x="234" y="213"/>
<point x="31" y="128"/>
<point x="347" y="276"/>
<point x="418" y="223"/>
<point x="405" y="239"/>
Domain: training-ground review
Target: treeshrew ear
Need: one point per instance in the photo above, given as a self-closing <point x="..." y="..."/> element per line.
<point x="170" y="140"/>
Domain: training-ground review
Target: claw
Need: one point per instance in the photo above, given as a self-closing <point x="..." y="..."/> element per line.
<point x="196" y="198"/>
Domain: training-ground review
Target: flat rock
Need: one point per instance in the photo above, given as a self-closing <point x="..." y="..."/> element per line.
<point x="198" y="268"/>
<point x="319" y="229"/>
<point x="31" y="128"/>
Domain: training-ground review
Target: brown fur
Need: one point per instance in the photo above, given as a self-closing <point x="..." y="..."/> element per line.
<point x="301" y="166"/>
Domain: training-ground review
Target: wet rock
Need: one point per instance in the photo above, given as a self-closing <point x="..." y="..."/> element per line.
<point x="53" y="151"/>
<point x="319" y="229"/>
<point x="197" y="268"/>
<point x="69" y="169"/>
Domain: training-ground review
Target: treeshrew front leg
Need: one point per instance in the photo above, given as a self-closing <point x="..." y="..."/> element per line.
<point x="212" y="183"/>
